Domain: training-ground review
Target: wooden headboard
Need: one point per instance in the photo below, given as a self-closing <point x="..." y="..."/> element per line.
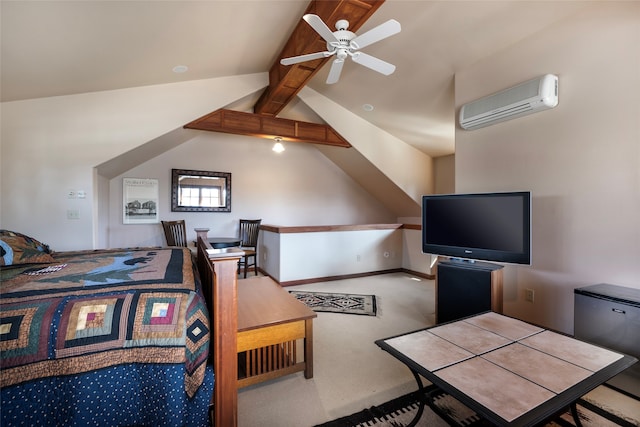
<point x="220" y="286"/>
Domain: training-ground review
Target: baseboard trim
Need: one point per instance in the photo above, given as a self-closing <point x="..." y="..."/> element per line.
<point x="350" y="276"/>
<point x="427" y="276"/>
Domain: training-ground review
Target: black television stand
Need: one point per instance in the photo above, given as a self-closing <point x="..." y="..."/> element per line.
<point x="465" y="288"/>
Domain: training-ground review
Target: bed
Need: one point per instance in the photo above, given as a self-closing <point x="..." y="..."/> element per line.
<point x="103" y="337"/>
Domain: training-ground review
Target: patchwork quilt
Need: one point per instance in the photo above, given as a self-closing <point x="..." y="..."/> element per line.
<point x="92" y="310"/>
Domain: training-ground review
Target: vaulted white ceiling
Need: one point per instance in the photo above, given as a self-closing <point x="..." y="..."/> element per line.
<point x="53" y="47"/>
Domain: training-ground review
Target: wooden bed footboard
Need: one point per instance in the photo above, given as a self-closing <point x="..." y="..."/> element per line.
<point x="220" y="286"/>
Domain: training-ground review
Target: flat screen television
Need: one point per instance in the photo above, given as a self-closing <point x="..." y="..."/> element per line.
<point x="482" y="226"/>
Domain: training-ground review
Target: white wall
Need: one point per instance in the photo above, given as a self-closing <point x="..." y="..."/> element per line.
<point x="581" y="160"/>
<point x="409" y="168"/>
<point x="297" y="187"/>
<point x="413" y="259"/>
<point x="445" y="174"/>
<point x="328" y="254"/>
<point x="81" y="142"/>
<point x="52" y="145"/>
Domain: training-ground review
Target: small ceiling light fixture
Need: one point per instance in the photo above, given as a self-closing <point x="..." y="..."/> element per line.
<point x="278" y="147"/>
<point x="367" y="107"/>
<point x="180" y="69"/>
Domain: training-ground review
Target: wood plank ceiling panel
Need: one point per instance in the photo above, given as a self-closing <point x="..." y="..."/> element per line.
<point x="241" y="123"/>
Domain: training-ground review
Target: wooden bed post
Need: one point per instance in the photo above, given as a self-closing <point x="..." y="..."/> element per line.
<point x="219" y="280"/>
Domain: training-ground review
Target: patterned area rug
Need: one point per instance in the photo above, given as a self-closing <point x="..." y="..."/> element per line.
<point x="401" y="411"/>
<point x="338" y="303"/>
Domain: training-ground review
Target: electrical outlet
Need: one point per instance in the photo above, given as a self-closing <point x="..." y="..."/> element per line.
<point x="358" y="258"/>
<point x="73" y="214"/>
<point x="529" y="295"/>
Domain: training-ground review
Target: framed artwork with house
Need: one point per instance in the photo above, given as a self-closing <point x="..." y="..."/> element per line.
<point x="139" y="201"/>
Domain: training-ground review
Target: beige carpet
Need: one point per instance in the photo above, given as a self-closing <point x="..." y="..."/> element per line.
<point x="350" y="372"/>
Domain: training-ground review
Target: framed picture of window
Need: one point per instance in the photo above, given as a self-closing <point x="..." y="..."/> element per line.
<point x="140" y="201"/>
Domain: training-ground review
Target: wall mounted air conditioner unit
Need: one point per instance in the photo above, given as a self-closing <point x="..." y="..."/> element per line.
<point x="529" y="97"/>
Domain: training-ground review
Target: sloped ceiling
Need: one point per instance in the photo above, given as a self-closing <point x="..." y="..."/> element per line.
<point x="61" y="47"/>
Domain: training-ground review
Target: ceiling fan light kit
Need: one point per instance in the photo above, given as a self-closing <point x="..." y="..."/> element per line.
<point x="343" y="43"/>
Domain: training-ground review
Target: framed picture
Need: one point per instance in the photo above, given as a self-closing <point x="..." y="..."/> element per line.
<point x="200" y="191"/>
<point x="139" y="201"/>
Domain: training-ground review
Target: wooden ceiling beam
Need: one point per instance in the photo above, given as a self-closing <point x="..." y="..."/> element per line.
<point x="286" y="81"/>
<point x="261" y="126"/>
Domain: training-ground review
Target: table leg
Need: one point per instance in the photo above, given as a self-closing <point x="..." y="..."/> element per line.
<point x="574" y="413"/>
<point x="308" y="348"/>
<point x="426" y="398"/>
<point x="423" y="400"/>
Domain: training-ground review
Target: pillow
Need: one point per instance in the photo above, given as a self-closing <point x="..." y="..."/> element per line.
<point x="16" y="248"/>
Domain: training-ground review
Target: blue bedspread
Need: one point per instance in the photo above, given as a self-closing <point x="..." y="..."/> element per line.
<point x="117" y="337"/>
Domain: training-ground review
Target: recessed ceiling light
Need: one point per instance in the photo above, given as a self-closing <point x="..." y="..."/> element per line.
<point x="367" y="107"/>
<point x="180" y="69"/>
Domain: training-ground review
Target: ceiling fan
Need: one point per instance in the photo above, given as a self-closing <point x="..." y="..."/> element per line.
<point x="343" y="43"/>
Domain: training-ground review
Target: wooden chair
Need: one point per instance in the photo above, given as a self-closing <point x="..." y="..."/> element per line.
<point x="249" y="229"/>
<point x="175" y="232"/>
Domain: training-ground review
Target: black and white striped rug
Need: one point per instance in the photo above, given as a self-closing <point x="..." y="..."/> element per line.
<point x="401" y="411"/>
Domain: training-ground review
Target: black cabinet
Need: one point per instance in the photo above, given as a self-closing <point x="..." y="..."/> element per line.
<point x="465" y="288"/>
<point x="609" y="316"/>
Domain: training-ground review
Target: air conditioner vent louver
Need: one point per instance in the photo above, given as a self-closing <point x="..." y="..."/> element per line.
<point x="529" y="97"/>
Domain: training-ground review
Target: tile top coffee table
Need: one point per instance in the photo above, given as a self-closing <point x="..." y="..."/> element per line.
<point x="510" y="372"/>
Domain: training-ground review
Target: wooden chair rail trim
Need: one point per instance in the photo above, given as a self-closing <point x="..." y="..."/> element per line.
<point x="328" y="228"/>
<point x="412" y="226"/>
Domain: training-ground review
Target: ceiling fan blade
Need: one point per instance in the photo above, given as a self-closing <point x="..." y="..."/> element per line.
<point x="334" y="72"/>
<point x="303" y="58"/>
<point x="374" y="63"/>
<point x="321" y="28"/>
<point x="380" y="32"/>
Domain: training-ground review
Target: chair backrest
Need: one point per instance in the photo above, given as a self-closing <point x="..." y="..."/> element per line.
<point x="249" y="229"/>
<point x="175" y="232"/>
